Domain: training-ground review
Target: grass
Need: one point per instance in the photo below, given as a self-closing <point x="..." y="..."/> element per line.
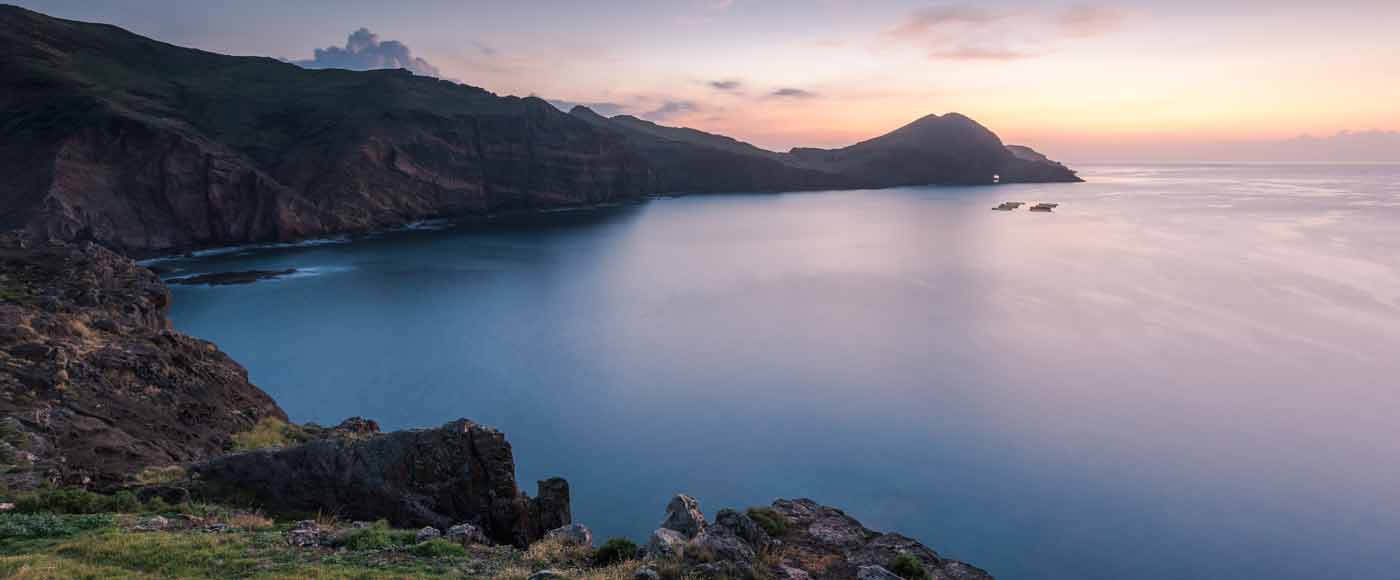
<point x="269" y="433"/>
<point x="377" y="536"/>
<point x="75" y="501"/>
<point x="614" y="551"/>
<point x="49" y="545"/>
<point x="772" y="522"/>
<point x="160" y="475"/>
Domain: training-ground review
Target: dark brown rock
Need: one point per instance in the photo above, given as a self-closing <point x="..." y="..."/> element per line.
<point x="460" y="472"/>
<point x="96" y="379"/>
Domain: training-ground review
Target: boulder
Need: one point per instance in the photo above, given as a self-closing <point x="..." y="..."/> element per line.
<point x="740" y="525"/>
<point x="427" y="533"/>
<point x="304" y="534"/>
<point x="646" y="573"/>
<point x="466" y="534"/>
<point x="683" y="515"/>
<point x="665" y="543"/>
<point x="572" y="534"/>
<point x="423" y="477"/>
<point x="548" y="574"/>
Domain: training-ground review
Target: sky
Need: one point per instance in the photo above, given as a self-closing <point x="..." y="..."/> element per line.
<point x="1081" y="81"/>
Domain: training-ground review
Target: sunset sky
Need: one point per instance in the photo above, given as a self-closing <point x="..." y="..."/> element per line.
<point x="1081" y="81"/>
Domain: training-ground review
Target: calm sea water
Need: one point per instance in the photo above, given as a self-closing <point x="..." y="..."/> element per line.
<point x="1183" y="372"/>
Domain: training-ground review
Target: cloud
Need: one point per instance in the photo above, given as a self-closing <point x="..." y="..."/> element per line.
<point x="670" y="109"/>
<point x="364" y="51"/>
<point x="926" y="20"/>
<point x="979" y="53"/>
<point x="961" y="31"/>
<point x="726" y="86"/>
<point x="791" y="93"/>
<point x="1085" y="20"/>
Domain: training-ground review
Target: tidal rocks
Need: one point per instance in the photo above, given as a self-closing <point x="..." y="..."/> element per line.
<point x="93" y="378"/>
<point x="460" y="472"/>
<point x="230" y="278"/>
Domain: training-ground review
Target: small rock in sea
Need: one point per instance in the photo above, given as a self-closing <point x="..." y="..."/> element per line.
<point x="152" y="524"/>
<point x="875" y="573"/>
<point x="547" y="575"/>
<point x="428" y="533"/>
<point x="683" y="515"/>
<point x="665" y="543"/>
<point x="573" y="534"/>
<point x="646" y="573"/>
<point x="466" y="534"/>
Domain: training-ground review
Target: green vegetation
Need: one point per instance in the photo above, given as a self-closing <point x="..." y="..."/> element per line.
<point x="49" y="525"/>
<point x="908" y="567"/>
<point x="438" y="549"/>
<point x="160" y="475"/>
<point x="614" y="551"/>
<point x="75" y="501"/>
<point x="376" y="536"/>
<point x="769" y="519"/>
<point x="269" y="433"/>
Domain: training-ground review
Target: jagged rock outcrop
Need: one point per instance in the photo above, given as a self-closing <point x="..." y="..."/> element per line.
<point x="460" y="472"/>
<point x="813" y="541"/>
<point x="94" y="380"/>
<point x="827" y="543"/>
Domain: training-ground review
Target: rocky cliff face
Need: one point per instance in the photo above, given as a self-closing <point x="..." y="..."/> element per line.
<point x="151" y="148"/>
<point x="94" y="385"/>
<point x="148" y="147"/>
<point x="458" y="473"/>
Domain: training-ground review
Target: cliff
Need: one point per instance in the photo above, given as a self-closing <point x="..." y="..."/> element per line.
<point x="151" y="148"/>
<point x="94" y="385"/>
<point x="148" y="147"/>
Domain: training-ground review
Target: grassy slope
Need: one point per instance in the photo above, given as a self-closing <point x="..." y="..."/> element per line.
<point x="107" y="546"/>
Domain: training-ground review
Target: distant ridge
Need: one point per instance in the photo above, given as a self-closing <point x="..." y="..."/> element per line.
<point x="149" y="148"/>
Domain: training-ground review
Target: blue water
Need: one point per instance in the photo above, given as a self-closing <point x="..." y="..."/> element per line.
<point x="1183" y="372"/>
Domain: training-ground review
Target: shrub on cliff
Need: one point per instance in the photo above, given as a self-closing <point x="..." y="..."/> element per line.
<point x="615" y="550"/>
<point x="270" y="432"/>
<point x="769" y="519"/>
<point x="909" y="568"/>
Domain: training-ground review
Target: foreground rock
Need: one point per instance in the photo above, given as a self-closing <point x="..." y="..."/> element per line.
<point x="807" y="541"/>
<point x="94" y="385"/>
<point x="460" y="472"/>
